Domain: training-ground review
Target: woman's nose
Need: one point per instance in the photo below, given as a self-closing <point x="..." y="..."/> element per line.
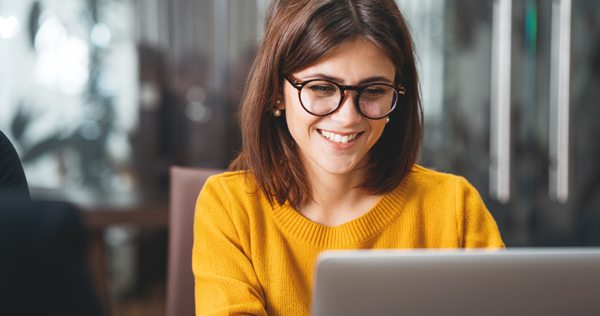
<point x="348" y="114"/>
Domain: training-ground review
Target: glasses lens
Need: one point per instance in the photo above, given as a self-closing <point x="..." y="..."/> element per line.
<point x="320" y="97"/>
<point x="377" y="101"/>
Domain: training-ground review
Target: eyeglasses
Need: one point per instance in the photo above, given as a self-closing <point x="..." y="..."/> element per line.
<point x="321" y="97"/>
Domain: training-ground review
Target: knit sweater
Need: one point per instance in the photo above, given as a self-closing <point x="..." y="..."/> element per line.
<point x="253" y="258"/>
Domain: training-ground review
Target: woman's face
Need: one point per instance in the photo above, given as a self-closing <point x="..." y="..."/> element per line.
<point x="355" y="62"/>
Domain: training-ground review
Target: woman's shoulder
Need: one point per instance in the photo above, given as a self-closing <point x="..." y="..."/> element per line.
<point x="451" y="200"/>
<point x="427" y="182"/>
<point x="229" y="176"/>
<point x="229" y="180"/>
<point x="234" y="184"/>
<point x="429" y="177"/>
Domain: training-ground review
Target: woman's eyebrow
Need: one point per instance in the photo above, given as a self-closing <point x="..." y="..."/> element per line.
<point x="322" y="76"/>
<point x="340" y="80"/>
<point x="376" y="79"/>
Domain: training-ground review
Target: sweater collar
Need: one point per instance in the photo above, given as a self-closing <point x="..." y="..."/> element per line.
<point x="351" y="233"/>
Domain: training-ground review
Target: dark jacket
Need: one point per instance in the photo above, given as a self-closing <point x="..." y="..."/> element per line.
<point x="13" y="183"/>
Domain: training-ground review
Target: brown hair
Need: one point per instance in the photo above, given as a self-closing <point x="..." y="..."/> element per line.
<point x="297" y="34"/>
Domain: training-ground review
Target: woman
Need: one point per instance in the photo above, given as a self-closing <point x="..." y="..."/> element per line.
<point x="332" y="127"/>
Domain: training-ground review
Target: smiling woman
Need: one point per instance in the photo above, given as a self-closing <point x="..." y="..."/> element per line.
<point x="328" y="155"/>
<point x="332" y="127"/>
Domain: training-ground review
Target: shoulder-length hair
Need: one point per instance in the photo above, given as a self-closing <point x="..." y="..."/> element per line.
<point x="297" y="34"/>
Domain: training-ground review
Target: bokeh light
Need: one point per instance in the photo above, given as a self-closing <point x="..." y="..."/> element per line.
<point x="63" y="60"/>
<point x="9" y="27"/>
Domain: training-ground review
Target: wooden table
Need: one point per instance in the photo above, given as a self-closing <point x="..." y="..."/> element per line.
<point x="99" y="218"/>
<point x="99" y="211"/>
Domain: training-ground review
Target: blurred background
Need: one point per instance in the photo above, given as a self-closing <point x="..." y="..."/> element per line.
<point x="101" y="97"/>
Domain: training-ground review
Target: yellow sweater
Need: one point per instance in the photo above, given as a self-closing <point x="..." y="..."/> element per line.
<point x="251" y="258"/>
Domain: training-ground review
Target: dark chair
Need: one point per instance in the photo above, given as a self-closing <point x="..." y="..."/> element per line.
<point x="186" y="184"/>
<point x="43" y="260"/>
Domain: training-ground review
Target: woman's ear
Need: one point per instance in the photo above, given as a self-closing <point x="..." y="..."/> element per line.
<point x="279" y="103"/>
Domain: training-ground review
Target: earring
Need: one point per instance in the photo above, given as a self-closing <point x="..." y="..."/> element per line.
<point x="277" y="112"/>
<point x="387" y="120"/>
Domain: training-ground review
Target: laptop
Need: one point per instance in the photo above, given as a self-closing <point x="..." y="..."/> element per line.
<point x="458" y="282"/>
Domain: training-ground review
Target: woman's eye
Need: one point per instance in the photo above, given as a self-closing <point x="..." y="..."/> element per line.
<point x="374" y="91"/>
<point x="321" y="88"/>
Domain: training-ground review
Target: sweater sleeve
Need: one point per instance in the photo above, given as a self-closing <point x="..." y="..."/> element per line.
<point x="479" y="229"/>
<point x="226" y="282"/>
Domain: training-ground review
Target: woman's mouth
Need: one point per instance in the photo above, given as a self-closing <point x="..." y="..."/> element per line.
<point x="337" y="138"/>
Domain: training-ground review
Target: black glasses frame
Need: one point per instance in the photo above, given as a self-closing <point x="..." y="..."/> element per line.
<point x="300" y="84"/>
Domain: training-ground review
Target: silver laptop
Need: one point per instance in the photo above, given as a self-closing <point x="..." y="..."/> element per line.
<point x="425" y="282"/>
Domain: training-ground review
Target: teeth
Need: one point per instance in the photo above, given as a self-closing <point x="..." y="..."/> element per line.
<point x="338" y="138"/>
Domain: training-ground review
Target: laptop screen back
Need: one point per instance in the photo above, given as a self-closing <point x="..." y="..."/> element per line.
<point x="422" y="282"/>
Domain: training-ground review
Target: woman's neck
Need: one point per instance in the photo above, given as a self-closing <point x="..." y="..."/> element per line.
<point x="336" y="199"/>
